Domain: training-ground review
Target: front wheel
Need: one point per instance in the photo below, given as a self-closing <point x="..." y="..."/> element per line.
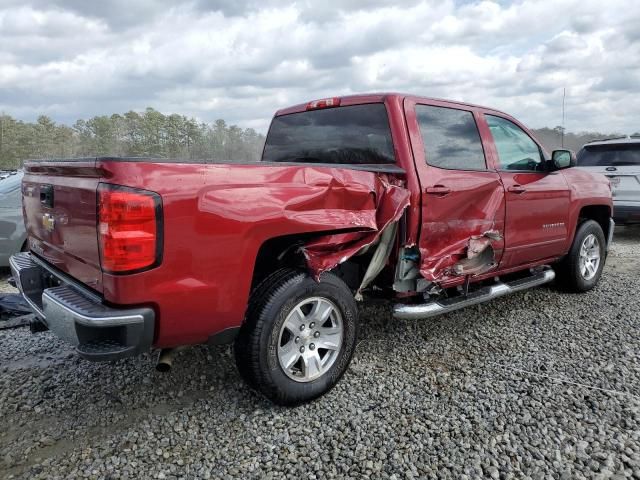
<point x="582" y="268"/>
<point x="298" y="337"/>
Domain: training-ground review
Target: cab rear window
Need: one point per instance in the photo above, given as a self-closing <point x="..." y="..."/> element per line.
<point x="609" y="155"/>
<point x="357" y="134"/>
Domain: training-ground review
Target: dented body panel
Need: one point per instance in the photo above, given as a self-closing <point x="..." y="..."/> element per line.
<point x="455" y="225"/>
<point x="216" y="218"/>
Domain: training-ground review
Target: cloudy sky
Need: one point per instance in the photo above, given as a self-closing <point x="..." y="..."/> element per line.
<point x="242" y="59"/>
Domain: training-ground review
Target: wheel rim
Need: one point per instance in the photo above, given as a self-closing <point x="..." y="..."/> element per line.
<point x="589" y="259"/>
<point x="310" y="339"/>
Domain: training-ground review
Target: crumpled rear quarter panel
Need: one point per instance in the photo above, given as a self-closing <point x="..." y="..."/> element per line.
<point x="216" y="217"/>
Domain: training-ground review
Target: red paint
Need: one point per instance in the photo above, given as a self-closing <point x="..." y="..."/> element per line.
<point x="327" y="251"/>
<point x="72" y="246"/>
<point x="216" y="218"/>
<point x="472" y="203"/>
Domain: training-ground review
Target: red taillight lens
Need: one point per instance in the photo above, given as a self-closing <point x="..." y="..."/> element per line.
<point x="324" y="103"/>
<point x="128" y="228"/>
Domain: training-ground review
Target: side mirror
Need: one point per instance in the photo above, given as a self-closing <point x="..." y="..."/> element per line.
<point x="563" y="159"/>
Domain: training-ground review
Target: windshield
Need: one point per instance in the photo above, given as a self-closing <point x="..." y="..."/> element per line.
<point x="10" y="182"/>
<point x="357" y="134"/>
<point x="610" y="155"/>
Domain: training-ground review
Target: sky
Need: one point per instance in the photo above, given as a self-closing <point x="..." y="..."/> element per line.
<point x="240" y="60"/>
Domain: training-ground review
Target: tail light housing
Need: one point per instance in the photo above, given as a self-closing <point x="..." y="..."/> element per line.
<point x="129" y="229"/>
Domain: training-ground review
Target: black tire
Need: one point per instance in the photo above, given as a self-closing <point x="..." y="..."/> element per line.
<point x="569" y="276"/>
<point x="256" y="347"/>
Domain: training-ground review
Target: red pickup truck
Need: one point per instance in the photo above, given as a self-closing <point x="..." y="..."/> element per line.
<point x="436" y="204"/>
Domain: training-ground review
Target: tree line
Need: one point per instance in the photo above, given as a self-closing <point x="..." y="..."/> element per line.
<point x="149" y="133"/>
<point x="153" y="134"/>
<point x="554" y="138"/>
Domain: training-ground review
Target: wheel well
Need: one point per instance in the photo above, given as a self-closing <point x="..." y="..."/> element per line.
<point x="285" y="251"/>
<point x="599" y="213"/>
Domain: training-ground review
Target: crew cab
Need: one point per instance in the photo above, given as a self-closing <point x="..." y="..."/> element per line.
<point x="433" y="204"/>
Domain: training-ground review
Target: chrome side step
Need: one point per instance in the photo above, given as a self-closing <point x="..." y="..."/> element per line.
<point x="431" y="309"/>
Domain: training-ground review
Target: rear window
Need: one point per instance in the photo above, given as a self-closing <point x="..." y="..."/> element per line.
<point x="357" y="134"/>
<point x="609" y="155"/>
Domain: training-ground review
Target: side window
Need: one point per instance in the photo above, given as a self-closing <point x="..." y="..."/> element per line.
<point x="451" y="139"/>
<point x="516" y="149"/>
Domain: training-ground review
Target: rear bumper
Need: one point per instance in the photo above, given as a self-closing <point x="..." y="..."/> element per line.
<point x="79" y="316"/>
<point x="626" y="213"/>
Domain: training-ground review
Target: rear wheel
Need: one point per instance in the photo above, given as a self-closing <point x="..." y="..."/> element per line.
<point x="299" y="336"/>
<point x="582" y="268"/>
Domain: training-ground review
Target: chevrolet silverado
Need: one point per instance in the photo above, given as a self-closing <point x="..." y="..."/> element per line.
<point x="434" y="204"/>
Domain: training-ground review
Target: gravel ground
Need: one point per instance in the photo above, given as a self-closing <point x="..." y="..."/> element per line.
<point x="536" y="385"/>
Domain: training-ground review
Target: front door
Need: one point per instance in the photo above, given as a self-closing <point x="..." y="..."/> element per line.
<point x="461" y="197"/>
<point x="537" y="200"/>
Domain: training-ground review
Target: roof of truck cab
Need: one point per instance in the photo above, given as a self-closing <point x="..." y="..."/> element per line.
<point x="381" y="97"/>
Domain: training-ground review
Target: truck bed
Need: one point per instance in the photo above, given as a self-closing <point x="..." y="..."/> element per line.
<point x="215" y="219"/>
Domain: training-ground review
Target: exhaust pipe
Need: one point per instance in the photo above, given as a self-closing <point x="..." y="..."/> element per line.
<point x="165" y="359"/>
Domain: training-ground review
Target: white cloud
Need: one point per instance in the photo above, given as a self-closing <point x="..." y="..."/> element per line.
<point x="243" y="60"/>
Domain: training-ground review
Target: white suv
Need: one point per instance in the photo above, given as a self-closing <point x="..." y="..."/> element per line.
<point x="618" y="159"/>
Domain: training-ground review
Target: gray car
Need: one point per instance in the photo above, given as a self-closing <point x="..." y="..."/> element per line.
<point x="13" y="236"/>
<point x="618" y="159"/>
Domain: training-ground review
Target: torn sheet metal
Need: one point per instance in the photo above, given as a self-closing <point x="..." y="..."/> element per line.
<point x="480" y="255"/>
<point x="326" y="252"/>
<point x="459" y="227"/>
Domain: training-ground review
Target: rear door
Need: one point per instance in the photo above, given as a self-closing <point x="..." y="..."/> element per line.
<point x="60" y="216"/>
<point x="537" y="200"/>
<point x="461" y="196"/>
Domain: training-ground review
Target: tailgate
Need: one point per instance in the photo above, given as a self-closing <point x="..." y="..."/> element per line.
<point x="625" y="184"/>
<point x="59" y="200"/>
<point x="625" y="181"/>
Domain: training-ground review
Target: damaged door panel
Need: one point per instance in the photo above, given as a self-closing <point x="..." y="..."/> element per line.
<point x="481" y="255"/>
<point x="462" y="198"/>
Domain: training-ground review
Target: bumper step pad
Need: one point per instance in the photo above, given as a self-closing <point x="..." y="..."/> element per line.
<point x="80" y="317"/>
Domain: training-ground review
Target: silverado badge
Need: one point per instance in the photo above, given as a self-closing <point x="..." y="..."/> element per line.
<point x="48" y="222"/>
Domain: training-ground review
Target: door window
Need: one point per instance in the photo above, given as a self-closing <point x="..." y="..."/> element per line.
<point x="516" y="149"/>
<point x="450" y="138"/>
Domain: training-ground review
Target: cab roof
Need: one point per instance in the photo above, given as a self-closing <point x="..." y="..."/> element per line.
<point x="381" y="97"/>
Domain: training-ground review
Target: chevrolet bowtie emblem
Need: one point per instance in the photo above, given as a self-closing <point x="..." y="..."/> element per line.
<point x="48" y="222"/>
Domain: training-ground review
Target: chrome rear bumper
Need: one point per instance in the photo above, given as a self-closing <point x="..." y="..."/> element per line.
<point x="78" y="316"/>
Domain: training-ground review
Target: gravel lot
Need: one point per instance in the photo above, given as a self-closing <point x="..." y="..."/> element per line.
<point x="536" y="385"/>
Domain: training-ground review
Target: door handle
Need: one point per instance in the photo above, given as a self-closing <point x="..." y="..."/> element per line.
<point x="516" y="189"/>
<point x="438" y="190"/>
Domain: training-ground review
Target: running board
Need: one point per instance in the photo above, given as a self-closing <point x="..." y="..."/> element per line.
<point x="431" y="309"/>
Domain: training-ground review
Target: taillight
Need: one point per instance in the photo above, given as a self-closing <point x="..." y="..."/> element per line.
<point x="324" y="103"/>
<point x="129" y="228"/>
